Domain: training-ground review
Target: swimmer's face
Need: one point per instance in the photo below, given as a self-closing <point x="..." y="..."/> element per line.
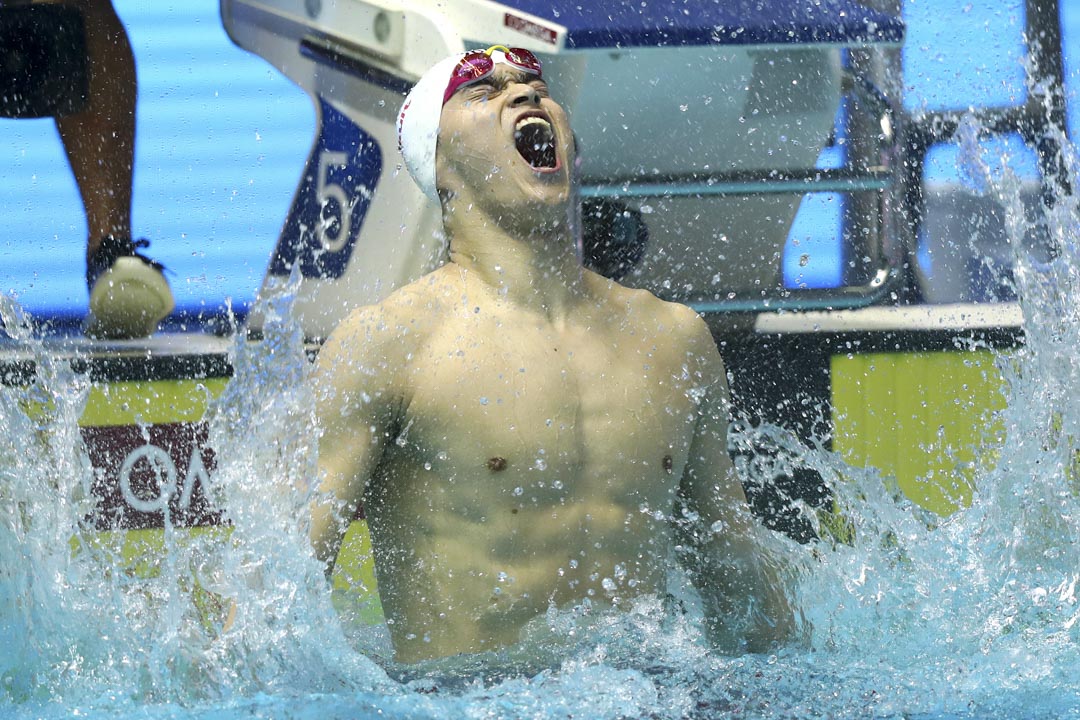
<point x="504" y="142"/>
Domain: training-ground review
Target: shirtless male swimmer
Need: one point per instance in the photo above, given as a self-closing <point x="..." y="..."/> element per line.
<point x="521" y="431"/>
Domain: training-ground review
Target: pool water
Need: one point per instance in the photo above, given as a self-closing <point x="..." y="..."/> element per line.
<point x="905" y="614"/>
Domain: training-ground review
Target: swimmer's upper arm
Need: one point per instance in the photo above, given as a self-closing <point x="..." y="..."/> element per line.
<point x="357" y="400"/>
<point x="743" y="599"/>
<point x="709" y="482"/>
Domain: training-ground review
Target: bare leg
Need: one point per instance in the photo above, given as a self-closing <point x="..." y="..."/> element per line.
<point x="100" y="140"/>
<point x="128" y="293"/>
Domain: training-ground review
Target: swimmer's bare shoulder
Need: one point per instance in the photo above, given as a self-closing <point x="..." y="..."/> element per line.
<point x="360" y="395"/>
<point x="682" y="328"/>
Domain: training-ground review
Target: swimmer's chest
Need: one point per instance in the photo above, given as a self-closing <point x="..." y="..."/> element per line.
<point x="520" y="400"/>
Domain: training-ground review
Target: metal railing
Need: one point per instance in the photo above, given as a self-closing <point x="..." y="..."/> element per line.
<point x="879" y="178"/>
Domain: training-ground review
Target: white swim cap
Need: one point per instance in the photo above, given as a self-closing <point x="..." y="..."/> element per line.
<point x="418" y="123"/>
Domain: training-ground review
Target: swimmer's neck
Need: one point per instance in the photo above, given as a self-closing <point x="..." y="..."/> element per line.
<point x="539" y="270"/>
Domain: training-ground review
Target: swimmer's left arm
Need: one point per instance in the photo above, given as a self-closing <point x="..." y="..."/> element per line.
<point x="745" y="601"/>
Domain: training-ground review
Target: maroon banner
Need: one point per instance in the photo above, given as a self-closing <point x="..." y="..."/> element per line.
<point x="530" y="28"/>
<point x="140" y="473"/>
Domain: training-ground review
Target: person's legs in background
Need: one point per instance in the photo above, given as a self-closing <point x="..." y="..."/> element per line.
<point x="100" y="140"/>
<point x="128" y="293"/>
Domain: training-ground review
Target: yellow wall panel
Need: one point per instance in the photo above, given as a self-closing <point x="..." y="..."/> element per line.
<point x="926" y="419"/>
<point x="150" y="402"/>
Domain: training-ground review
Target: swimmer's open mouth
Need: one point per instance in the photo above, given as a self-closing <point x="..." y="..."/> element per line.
<point x="534" y="139"/>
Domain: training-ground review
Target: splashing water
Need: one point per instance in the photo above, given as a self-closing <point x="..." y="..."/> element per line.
<point x="973" y="615"/>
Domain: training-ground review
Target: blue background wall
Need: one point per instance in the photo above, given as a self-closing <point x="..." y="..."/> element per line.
<point x="222" y="140"/>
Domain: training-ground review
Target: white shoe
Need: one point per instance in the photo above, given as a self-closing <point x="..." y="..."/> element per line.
<point x="129" y="298"/>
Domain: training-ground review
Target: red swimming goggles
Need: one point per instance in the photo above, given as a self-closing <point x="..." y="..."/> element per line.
<point x="478" y="64"/>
